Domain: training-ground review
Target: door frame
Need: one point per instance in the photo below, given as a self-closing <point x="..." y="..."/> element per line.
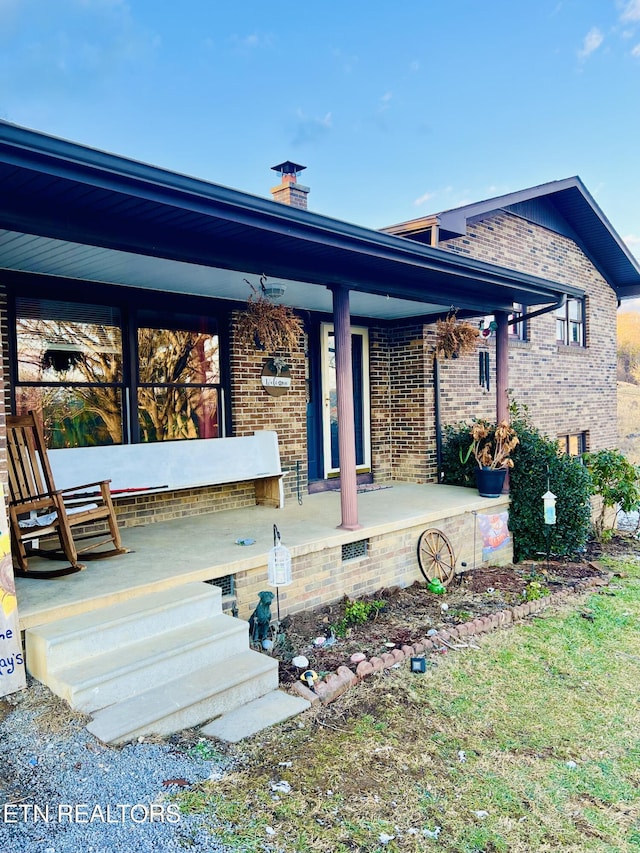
<point x="327" y="369"/>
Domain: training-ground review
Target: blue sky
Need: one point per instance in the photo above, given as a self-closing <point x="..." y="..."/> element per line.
<point x="398" y="110"/>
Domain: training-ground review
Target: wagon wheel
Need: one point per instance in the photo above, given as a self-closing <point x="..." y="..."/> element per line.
<point x="435" y="556"/>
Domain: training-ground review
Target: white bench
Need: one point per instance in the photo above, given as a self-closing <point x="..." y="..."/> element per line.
<point x="170" y="465"/>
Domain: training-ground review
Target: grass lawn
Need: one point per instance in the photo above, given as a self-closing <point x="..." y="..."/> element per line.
<point x="530" y="743"/>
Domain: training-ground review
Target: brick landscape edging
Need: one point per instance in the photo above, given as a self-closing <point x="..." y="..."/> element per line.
<point x="336" y="683"/>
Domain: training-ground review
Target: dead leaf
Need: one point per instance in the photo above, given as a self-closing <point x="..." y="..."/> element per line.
<point x="181" y="783"/>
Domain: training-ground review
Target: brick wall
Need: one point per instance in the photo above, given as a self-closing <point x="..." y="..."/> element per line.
<point x="321" y="576"/>
<point x="381" y="418"/>
<point x="411" y="403"/>
<point x="254" y="409"/>
<point x="567" y="389"/>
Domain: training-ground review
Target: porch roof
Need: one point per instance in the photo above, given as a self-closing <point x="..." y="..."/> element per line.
<point x="75" y="212"/>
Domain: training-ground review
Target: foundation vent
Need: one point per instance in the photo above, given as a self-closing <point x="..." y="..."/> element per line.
<point x="354" y="550"/>
<point x="226" y="584"/>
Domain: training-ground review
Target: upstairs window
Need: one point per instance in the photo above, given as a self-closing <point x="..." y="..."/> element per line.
<point x="516" y="331"/>
<point x="570" y="323"/>
<point x="574" y="444"/>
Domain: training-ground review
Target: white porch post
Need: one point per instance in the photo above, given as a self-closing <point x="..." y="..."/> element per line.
<point x="346" y="417"/>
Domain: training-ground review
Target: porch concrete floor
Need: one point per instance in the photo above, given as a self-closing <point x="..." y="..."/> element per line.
<point x="202" y="547"/>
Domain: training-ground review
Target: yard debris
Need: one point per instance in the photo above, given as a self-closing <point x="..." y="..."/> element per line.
<point x="383" y="838"/>
<point x="481" y="814"/>
<point x="462" y="755"/>
<point x="181" y="783"/>
<point x="432" y="833"/>
<point x="281" y="787"/>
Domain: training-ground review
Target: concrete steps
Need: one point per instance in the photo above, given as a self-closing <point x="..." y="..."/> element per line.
<point x="153" y="664"/>
<point x="189" y="700"/>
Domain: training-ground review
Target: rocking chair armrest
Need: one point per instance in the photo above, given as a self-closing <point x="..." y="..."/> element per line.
<point x="75" y="489"/>
<point x="34" y="499"/>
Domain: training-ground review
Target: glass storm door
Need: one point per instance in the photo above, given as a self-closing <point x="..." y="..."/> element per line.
<point x="360" y="359"/>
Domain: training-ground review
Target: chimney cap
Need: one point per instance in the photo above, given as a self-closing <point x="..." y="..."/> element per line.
<point x="288" y="168"/>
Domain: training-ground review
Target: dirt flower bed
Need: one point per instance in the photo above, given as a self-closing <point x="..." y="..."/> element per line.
<point x="402" y="616"/>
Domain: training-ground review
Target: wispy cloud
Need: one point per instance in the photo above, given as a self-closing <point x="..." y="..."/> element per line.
<point x="309" y="129"/>
<point x="348" y="62"/>
<point x="252" y="41"/>
<point x="591" y="43"/>
<point x="92" y="38"/>
<point x="423" y="199"/>
<point x="385" y="102"/>
<point x="631" y="12"/>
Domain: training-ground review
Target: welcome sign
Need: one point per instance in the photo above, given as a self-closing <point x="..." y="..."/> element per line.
<point x="12" y="671"/>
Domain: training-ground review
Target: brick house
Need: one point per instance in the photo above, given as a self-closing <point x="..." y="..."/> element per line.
<point x="561" y="364"/>
<point x="92" y="238"/>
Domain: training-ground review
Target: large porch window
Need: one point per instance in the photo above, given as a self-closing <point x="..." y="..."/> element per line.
<point x="100" y="374"/>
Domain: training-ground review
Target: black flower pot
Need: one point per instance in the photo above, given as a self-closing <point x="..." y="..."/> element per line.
<point x="490" y="481"/>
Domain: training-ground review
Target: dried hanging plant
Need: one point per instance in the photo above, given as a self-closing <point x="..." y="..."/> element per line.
<point x="455" y="338"/>
<point x="266" y="325"/>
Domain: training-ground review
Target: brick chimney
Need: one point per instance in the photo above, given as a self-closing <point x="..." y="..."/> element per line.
<point x="289" y="191"/>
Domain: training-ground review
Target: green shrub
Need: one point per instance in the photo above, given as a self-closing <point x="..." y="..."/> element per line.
<point x="616" y="481"/>
<point x="454" y="449"/>
<point x="537" y="464"/>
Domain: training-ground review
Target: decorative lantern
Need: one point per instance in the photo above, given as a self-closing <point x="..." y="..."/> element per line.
<point x="418" y="664"/>
<point x="279" y="562"/>
<point x="549" y="500"/>
<point x="279" y="566"/>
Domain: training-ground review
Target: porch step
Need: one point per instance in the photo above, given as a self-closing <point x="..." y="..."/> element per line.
<point x="268" y="710"/>
<point x="99" y="681"/>
<point x="66" y="641"/>
<point x="188" y="700"/>
<point x="151" y="665"/>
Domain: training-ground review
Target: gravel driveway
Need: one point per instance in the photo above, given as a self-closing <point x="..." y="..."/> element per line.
<point x="62" y="791"/>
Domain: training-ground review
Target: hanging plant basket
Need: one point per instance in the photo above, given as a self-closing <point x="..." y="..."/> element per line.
<point x="266" y="325"/>
<point x="455" y="338"/>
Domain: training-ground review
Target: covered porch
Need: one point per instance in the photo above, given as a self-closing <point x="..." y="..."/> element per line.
<point x="327" y="562"/>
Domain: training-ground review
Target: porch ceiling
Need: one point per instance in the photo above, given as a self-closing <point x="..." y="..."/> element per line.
<point x="70" y="211"/>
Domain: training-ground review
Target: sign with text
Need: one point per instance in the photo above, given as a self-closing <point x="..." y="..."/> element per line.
<point x="276" y="377"/>
<point x="12" y="671"/>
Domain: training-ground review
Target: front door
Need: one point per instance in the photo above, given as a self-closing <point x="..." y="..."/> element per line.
<point x="324" y="408"/>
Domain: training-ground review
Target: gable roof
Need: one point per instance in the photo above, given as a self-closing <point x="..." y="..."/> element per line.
<point x="564" y="206"/>
<point x="75" y="212"/>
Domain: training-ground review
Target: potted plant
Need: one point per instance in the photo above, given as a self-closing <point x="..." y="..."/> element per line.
<point x="491" y="445"/>
<point x="454" y="337"/>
